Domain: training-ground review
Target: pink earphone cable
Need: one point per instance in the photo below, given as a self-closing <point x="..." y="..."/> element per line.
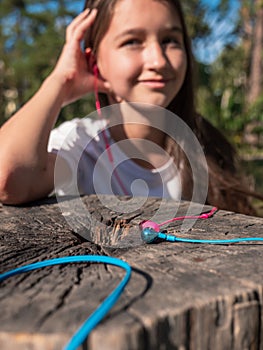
<point x="98" y="108"/>
<point x="156" y="227"/>
<point x="104" y="135"/>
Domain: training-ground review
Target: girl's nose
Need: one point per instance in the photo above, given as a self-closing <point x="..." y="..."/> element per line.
<point x="154" y="56"/>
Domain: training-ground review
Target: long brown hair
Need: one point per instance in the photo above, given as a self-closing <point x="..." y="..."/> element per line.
<point x="226" y="188"/>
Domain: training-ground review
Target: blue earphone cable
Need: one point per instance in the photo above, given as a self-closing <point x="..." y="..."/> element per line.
<point x="91" y="322"/>
<point x="171" y="238"/>
<point x="149" y="235"/>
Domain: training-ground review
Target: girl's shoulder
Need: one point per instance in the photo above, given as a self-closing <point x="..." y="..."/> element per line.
<point x="75" y="131"/>
<point x="89" y="126"/>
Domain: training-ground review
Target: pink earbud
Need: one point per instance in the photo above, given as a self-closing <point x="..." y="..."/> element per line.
<point x="150" y="224"/>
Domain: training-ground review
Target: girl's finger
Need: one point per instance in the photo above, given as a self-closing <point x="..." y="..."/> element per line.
<point x="79" y="19"/>
<point x="71" y="27"/>
<point x="80" y="24"/>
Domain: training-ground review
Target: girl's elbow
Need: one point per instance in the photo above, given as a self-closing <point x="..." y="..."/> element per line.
<point x="10" y="193"/>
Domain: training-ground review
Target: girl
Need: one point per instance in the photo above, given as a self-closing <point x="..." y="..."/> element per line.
<point x="137" y="51"/>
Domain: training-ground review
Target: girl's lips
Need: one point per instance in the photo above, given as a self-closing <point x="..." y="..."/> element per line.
<point x="155" y="83"/>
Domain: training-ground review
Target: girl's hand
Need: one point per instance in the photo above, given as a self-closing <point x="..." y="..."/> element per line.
<point x="73" y="68"/>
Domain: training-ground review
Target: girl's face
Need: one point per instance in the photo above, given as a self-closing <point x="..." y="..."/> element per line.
<point x="142" y="55"/>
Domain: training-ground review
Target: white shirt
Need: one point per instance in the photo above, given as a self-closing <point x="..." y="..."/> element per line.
<point x="80" y="142"/>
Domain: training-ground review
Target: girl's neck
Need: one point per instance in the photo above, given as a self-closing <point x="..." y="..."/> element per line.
<point x="132" y="120"/>
<point x="140" y="135"/>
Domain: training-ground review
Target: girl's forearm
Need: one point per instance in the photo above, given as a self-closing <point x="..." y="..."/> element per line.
<point x="24" y="160"/>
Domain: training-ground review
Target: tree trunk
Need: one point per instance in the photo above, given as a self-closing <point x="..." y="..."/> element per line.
<point x="256" y="67"/>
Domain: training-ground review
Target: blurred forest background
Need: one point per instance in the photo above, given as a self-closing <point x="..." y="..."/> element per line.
<point x="227" y="38"/>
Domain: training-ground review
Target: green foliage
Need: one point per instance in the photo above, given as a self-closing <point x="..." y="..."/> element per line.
<point x="255" y="111"/>
<point x="194" y="15"/>
<point x="221" y="93"/>
<point x="31" y="38"/>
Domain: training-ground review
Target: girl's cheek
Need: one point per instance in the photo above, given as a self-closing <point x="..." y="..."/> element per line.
<point x="119" y="70"/>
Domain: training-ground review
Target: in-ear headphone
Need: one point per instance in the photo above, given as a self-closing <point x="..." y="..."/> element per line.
<point x="151" y="232"/>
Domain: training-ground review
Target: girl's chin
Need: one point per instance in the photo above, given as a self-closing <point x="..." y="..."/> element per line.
<point x="154" y="102"/>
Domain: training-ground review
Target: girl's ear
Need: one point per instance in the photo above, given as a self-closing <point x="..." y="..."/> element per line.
<point x="93" y="67"/>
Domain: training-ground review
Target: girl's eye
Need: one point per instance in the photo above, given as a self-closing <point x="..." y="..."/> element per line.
<point x="132" y="43"/>
<point x="172" y="41"/>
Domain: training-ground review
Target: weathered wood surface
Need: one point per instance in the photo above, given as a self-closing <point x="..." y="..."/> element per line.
<point x="181" y="296"/>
